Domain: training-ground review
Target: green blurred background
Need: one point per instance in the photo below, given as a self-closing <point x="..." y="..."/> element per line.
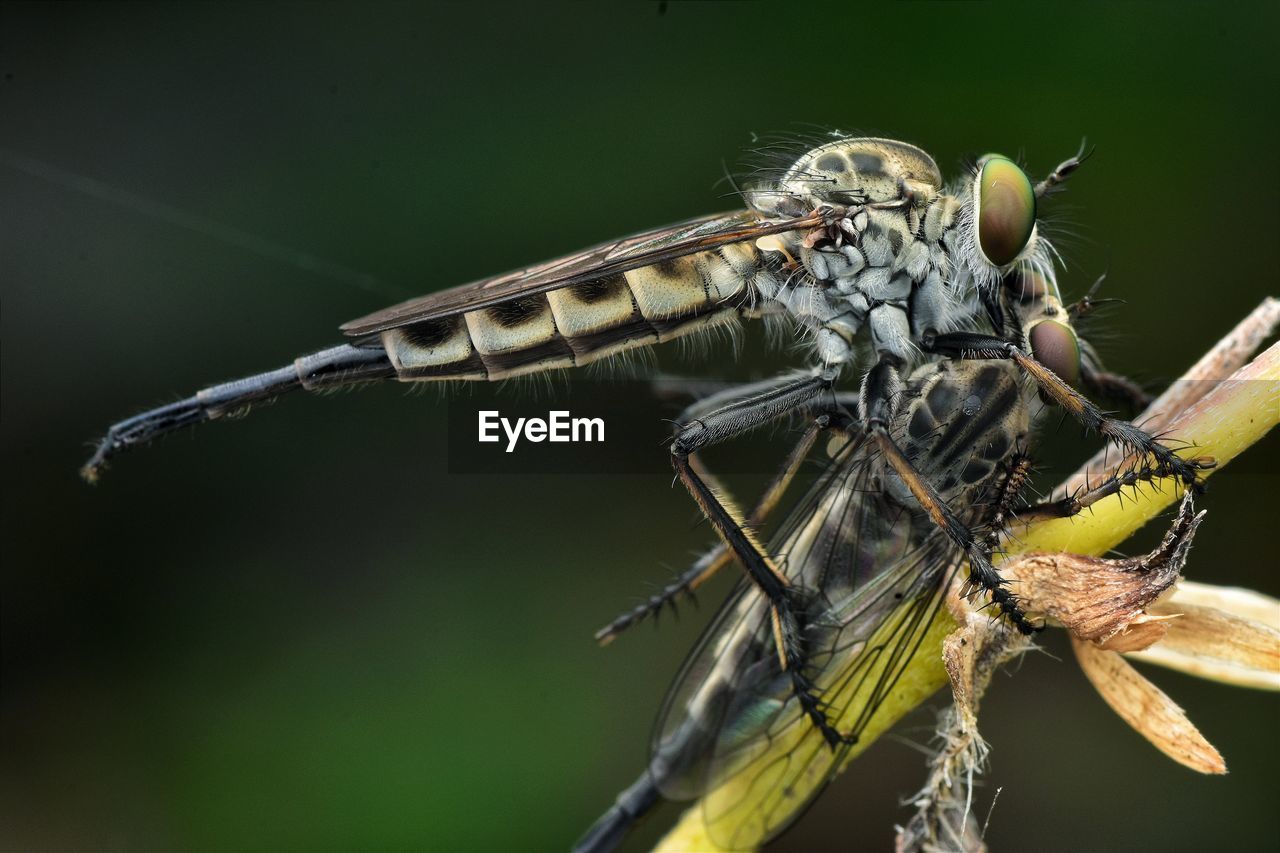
<point x="298" y="632"/>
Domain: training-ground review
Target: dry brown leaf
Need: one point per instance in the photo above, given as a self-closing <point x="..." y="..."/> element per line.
<point x="1147" y="709"/>
<point x="1140" y="634"/>
<point x="1211" y="643"/>
<point x="1235" y="600"/>
<point x="1103" y="600"/>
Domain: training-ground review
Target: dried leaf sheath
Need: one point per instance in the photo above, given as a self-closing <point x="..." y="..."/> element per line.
<point x="1104" y="601"/>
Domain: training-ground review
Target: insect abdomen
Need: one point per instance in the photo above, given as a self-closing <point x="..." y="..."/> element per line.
<point x="578" y="324"/>
<point x="967" y="420"/>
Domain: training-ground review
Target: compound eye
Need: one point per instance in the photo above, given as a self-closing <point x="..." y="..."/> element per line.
<point x="1056" y="346"/>
<point x="1028" y="286"/>
<point x="1006" y="209"/>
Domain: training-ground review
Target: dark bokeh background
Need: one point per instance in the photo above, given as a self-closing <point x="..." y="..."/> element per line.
<point x="299" y="632"/>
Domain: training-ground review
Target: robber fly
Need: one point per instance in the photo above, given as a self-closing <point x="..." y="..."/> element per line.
<point x="857" y="242"/>
<point x="867" y="555"/>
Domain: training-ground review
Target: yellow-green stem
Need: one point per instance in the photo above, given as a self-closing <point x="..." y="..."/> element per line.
<point x="1222" y="424"/>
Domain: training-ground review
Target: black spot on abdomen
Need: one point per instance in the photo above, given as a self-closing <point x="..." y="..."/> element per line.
<point x="974" y="472"/>
<point x="517" y="311"/>
<point x="997" y="447"/>
<point x="431" y="333"/>
<point x="943" y="400"/>
<point x="668" y="269"/>
<point x="598" y="290"/>
<point x="995" y="395"/>
<point x="922" y="425"/>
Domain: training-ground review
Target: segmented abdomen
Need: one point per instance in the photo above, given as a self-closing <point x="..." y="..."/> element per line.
<point x="581" y="323"/>
<point x="966" y="423"/>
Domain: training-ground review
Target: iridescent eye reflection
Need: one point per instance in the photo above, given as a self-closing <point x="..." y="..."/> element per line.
<point x="1006" y="209"/>
<point x="1055" y="345"/>
<point x="1030" y="286"/>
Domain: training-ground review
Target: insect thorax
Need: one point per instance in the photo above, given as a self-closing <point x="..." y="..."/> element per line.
<point x="889" y="270"/>
<point x="856" y="171"/>
<point x="902" y="257"/>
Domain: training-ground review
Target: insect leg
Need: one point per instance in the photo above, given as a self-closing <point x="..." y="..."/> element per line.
<point x="1016" y="473"/>
<point x="971" y="345"/>
<point x="1075" y="504"/>
<point x="726" y="422"/>
<point x="879" y="389"/>
<point x="341" y="365"/>
<point x="719" y="556"/>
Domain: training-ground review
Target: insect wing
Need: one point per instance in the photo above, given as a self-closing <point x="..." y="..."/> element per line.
<point x="765" y="777"/>
<point x="732" y="731"/>
<point x="651" y="247"/>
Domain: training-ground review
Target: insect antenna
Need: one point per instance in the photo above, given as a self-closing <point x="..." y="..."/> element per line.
<point x="1064" y="170"/>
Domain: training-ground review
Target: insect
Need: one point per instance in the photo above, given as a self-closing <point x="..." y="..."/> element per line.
<point x="867" y="561"/>
<point x="856" y="242"/>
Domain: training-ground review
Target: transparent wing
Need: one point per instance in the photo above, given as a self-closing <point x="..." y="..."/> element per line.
<point x="731" y="730"/>
<point x="650" y="247"/>
<point x="768" y="769"/>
